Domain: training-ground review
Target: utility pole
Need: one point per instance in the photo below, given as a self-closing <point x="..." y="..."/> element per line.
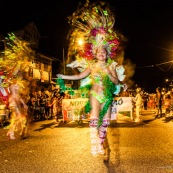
<point x="63" y="60"/>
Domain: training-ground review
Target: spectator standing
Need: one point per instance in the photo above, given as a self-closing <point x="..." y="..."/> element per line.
<point x="167" y="102"/>
<point x="159" y="99"/>
<point x="171" y="104"/>
<point x="47" y="108"/>
<point x="60" y="97"/>
<point x="151" y="102"/>
<point x="31" y="105"/>
<point x="145" y="101"/>
<point x="42" y="105"/>
<point x="138" y="104"/>
<point x="53" y="106"/>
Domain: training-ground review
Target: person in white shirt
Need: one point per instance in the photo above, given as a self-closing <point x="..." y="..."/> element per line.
<point x="139" y="103"/>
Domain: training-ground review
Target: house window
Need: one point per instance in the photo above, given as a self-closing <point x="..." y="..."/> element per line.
<point x="38" y="65"/>
<point x="46" y="67"/>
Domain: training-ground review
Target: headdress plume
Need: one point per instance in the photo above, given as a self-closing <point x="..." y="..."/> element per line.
<point x="93" y="26"/>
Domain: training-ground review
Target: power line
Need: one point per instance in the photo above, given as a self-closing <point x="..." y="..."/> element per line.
<point x="146" y="66"/>
<point x="170" y="50"/>
<point x="163" y="63"/>
<point x="158" y="65"/>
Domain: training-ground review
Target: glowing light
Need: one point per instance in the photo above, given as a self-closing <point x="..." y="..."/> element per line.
<point x="80" y="42"/>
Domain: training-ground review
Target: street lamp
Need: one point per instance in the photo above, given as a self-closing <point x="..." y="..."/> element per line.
<point x="167" y="80"/>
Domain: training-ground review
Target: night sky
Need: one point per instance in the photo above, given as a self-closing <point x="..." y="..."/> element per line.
<point x="148" y="26"/>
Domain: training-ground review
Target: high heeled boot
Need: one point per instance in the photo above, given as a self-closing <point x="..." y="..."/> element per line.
<point x="94" y="135"/>
<point x="102" y="131"/>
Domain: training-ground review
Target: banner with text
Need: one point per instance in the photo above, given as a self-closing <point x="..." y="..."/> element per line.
<point x="74" y="109"/>
<point x="123" y="106"/>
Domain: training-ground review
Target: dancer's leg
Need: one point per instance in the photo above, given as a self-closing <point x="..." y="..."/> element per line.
<point x="94" y="124"/>
<point x="23" y="122"/>
<point x="94" y="135"/>
<point x="102" y="131"/>
<point x="12" y="126"/>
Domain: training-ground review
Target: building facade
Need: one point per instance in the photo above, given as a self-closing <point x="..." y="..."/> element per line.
<point x="41" y="69"/>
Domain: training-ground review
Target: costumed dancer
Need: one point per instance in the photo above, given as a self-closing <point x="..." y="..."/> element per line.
<point x="15" y="63"/>
<point x="18" y="112"/>
<point x="99" y="72"/>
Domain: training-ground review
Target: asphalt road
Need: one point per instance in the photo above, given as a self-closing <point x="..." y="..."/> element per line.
<point x="145" y="147"/>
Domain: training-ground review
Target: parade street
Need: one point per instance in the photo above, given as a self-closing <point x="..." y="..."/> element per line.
<point x="145" y="147"/>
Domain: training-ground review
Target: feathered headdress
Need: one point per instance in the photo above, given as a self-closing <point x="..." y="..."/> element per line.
<point x="15" y="59"/>
<point x="93" y="28"/>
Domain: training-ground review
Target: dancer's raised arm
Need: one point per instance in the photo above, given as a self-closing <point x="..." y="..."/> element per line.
<point x="81" y="75"/>
<point x="113" y="76"/>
